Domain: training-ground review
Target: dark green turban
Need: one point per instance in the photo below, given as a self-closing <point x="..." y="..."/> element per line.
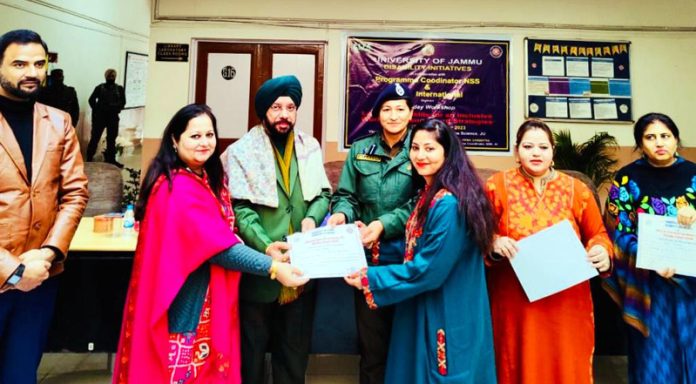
<point x="274" y="88"/>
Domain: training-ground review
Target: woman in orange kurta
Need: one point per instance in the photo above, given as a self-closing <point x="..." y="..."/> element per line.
<point x="552" y="339"/>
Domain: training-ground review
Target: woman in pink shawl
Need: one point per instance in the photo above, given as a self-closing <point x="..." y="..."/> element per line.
<point x="180" y="322"/>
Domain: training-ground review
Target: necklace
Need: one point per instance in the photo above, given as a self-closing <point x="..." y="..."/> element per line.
<point x="199" y="174"/>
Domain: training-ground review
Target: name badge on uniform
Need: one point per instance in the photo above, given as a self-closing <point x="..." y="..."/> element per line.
<point x="365" y="157"/>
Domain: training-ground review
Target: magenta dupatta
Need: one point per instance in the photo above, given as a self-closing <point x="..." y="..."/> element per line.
<point x="182" y="229"/>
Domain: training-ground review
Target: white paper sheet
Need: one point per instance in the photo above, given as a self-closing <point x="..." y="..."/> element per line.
<point x="551" y="261"/>
<point x="605" y="109"/>
<point x="580" y="108"/>
<point x="663" y="243"/>
<point x="557" y="107"/>
<point x="602" y="67"/>
<point x="538" y="85"/>
<point x="552" y="66"/>
<point x="578" y="66"/>
<point x="327" y="252"/>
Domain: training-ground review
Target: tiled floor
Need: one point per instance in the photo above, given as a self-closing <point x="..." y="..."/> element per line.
<point x="85" y="368"/>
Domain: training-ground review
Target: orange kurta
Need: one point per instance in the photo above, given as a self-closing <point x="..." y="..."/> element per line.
<point x="552" y="339"/>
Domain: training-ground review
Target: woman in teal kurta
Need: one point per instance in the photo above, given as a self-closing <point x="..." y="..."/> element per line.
<point x="442" y="327"/>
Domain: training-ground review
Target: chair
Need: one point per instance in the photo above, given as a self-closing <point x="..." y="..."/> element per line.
<point x="333" y="172"/>
<point x="105" y="188"/>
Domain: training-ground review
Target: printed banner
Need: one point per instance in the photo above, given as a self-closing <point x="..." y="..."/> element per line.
<point x="578" y="80"/>
<point x="462" y="82"/>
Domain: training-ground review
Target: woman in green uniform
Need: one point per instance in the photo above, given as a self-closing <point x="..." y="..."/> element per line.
<point x="376" y="189"/>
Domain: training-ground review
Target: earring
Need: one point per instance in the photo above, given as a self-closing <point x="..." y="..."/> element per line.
<point x="176" y="150"/>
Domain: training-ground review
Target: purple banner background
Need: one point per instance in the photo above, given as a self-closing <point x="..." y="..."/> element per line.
<point x="463" y="82"/>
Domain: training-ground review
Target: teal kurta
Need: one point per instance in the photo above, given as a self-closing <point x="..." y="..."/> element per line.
<point x="441" y="301"/>
<point x="373" y="185"/>
<point x="260" y="225"/>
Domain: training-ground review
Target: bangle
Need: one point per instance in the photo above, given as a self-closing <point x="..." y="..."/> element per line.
<point x="273" y="270"/>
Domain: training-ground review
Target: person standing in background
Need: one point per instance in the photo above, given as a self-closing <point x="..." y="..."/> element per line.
<point x="61" y="96"/>
<point x="43" y="192"/>
<point x="107" y="101"/>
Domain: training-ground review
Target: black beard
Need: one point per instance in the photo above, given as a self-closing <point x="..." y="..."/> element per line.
<point x="18" y="92"/>
<point x="273" y="131"/>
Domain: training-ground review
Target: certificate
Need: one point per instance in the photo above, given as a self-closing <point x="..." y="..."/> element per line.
<point x="663" y="243"/>
<point x="327" y="251"/>
<point x="551" y="261"/>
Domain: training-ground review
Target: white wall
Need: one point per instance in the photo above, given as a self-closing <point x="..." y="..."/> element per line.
<point x="594" y="12"/>
<point x="662" y="62"/>
<point x="89" y="37"/>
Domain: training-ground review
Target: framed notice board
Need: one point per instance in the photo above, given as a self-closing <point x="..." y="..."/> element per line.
<point x="135" y="79"/>
<point x="578" y="80"/>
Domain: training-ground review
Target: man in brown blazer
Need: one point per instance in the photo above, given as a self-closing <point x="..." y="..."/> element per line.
<point x="43" y="192"/>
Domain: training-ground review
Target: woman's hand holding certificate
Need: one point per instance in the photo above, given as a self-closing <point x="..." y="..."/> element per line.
<point x="327" y="251"/>
<point x="665" y="245"/>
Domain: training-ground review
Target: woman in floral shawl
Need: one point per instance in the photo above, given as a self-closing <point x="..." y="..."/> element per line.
<point x="180" y="321"/>
<point x="659" y="307"/>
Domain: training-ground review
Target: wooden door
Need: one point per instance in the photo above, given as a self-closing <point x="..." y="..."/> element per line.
<point x="229" y="73"/>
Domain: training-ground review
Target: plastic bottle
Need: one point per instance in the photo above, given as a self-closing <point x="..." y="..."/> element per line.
<point x="129" y="220"/>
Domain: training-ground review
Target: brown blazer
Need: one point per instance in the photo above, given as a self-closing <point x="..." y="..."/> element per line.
<point x="47" y="211"/>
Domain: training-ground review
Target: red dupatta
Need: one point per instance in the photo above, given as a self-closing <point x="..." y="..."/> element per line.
<point x="183" y="228"/>
<point x="414" y="226"/>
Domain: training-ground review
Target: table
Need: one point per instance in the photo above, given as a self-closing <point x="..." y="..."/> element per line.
<point x="86" y="239"/>
<point x="92" y="291"/>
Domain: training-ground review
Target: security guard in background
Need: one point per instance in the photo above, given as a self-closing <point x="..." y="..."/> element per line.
<point x="376" y="189"/>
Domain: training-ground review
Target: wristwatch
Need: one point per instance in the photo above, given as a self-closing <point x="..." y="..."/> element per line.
<point x="16" y="275"/>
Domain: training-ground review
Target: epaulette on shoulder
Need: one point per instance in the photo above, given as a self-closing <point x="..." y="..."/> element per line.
<point x="364" y="138"/>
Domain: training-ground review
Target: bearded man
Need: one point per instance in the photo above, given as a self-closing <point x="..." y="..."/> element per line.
<point x="279" y="187"/>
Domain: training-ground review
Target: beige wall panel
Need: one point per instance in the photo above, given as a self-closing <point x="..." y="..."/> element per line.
<point x="303" y="67"/>
<point x="662" y="75"/>
<point x="223" y="95"/>
<point x="596" y="12"/>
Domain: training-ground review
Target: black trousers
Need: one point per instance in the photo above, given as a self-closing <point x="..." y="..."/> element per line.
<point x="25" y="318"/>
<point x="99" y="122"/>
<point x="374" y="333"/>
<point x="285" y="331"/>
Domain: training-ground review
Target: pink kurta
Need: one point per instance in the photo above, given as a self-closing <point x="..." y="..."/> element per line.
<point x="183" y="228"/>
